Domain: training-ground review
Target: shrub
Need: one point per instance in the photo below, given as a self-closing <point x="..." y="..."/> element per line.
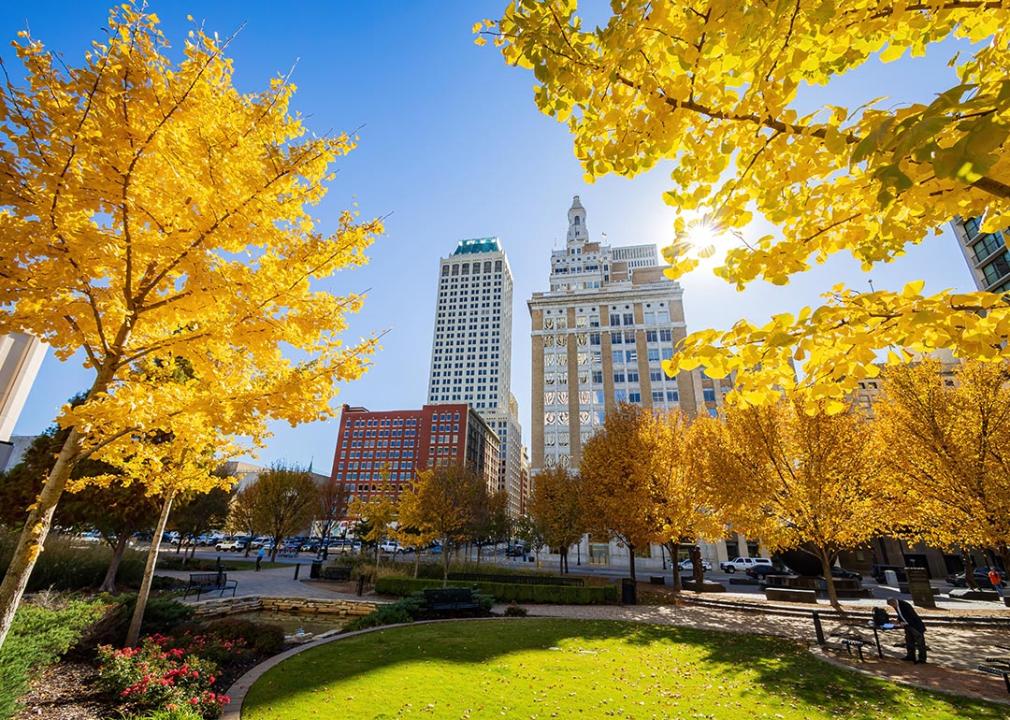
<point x="39" y="637"/>
<point x="155" y="676"/>
<point x="402" y="611"/>
<point x="182" y="713"/>
<point x="261" y="638"/>
<point x="508" y="592"/>
<point x="514" y="610"/>
<point x="65" y="566"/>
<point x="162" y="615"/>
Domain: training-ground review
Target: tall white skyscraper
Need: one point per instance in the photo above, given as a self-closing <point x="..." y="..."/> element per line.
<point x="471" y="353"/>
<point x="20" y="358"/>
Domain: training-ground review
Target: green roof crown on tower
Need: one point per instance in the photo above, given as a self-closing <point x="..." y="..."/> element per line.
<point x="477" y="245"/>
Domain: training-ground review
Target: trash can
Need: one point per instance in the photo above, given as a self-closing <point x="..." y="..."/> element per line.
<point x="316" y="569"/>
<point x="629" y="592"/>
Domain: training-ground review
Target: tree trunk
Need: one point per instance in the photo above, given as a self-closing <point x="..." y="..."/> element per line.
<point x="631" y="562"/>
<point x="829" y="580"/>
<point x="969" y="570"/>
<point x="561" y="561"/>
<point x="417" y="561"/>
<point x="192" y="550"/>
<point x="478" y="554"/>
<point x="273" y="551"/>
<point x="109" y="583"/>
<point x="697" y="568"/>
<point x="674" y="554"/>
<point x="34" y="533"/>
<point x="248" y="545"/>
<point x="133" y="634"/>
<point x="445" y="562"/>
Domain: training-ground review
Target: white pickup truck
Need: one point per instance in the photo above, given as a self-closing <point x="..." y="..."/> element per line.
<point x="742" y="563"/>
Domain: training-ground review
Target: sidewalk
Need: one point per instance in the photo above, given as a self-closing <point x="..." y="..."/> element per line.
<point x="952" y="647"/>
<point x="275" y="582"/>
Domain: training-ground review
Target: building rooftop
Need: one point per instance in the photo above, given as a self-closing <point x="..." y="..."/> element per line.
<point x="477" y="245"/>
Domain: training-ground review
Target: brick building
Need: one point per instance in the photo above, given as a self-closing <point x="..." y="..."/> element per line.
<point x="383" y="449"/>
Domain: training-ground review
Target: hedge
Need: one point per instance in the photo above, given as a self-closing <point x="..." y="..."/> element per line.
<point x="38" y="638"/>
<point x="507" y="592"/>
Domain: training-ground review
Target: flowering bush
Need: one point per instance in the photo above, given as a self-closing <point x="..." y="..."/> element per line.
<point x="157" y="676"/>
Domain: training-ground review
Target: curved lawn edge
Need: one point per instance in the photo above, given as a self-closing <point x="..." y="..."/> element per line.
<point x="240" y="688"/>
<point x="818" y="653"/>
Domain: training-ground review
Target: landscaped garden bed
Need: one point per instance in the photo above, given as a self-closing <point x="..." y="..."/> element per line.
<point x="64" y="660"/>
<point x="571" y="668"/>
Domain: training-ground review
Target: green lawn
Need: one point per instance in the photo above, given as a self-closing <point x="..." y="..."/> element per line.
<point x="566" y="669"/>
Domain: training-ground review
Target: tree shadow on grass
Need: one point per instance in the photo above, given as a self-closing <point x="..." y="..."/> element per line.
<point x="674" y="666"/>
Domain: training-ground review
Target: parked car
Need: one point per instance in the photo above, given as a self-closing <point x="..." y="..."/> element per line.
<point x="840" y="572"/>
<point x="981" y="578"/>
<point x="878" y="573"/>
<point x="90" y="536"/>
<point x="389" y="546"/>
<point x="234" y="545"/>
<point x="742" y="563"/>
<point x="517" y="550"/>
<point x="760" y="571"/>
<point x="687" y="566"/>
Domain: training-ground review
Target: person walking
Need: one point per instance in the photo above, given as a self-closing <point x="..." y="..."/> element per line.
<point x="260" y="554"/>
<point x="996" y="581"/>
<point x="915" y="630"/>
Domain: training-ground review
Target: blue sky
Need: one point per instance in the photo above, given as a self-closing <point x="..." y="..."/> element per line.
<point x="452" y="147"/>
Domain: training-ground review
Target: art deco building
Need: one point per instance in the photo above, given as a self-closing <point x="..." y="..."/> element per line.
<point x="599" y="338"/>
<point x="471" y="354"/>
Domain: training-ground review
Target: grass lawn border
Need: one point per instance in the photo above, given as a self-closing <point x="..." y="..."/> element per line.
<point x="238" y="691"/>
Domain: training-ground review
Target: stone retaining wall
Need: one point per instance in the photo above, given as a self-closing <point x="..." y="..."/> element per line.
<point x="223" y="607"/>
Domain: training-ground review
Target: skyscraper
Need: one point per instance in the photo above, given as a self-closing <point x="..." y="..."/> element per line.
<point x="20" y="358"/>
<point x="471" y="354"/>
<point x="599" y="338"/>
<point x="986" y="253"/>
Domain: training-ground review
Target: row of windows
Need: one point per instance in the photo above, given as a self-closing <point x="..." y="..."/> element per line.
<point x="998" y="268"/>
<point x="465" y="268"/>
<point x="410" y="432"/>
<point x="395" y="422"/>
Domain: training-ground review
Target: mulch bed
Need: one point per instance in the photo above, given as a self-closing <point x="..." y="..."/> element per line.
<point x="65" y="691"/>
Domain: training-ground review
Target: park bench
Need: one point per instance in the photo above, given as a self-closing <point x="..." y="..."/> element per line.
<point x="337" y="572"/>
<point x="849" y="641"/>
<point x="209" y="582"/>
<point x="791" y="595"/>
<point x="450" y="599"/>
<point x="999" y="667"/>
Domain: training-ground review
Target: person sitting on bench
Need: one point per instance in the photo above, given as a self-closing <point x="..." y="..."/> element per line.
<point x="915" y="630"/>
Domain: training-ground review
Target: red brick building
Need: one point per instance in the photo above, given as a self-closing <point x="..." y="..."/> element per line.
<point x="375" y="445"/>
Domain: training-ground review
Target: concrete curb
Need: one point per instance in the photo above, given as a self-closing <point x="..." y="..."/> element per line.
<point x="240" y="688"/>
<point x="824" y="657"/>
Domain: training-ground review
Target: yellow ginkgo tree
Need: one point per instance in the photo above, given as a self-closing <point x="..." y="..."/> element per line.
<point x="153" y="216"/>
<point x="710" y="85"/>
<point x="798" y="480"/>
<point x="945" y="440"/>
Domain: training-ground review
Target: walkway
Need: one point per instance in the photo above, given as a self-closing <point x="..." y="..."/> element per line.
<point x="276" y="582"/>
<point x="954" y="651"/>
